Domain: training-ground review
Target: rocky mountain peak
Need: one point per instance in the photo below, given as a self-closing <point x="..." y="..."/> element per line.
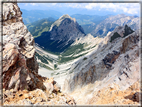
<point x="64" y="16"/>
<point x="66" y="27"/>
<point x="63" y="32"/>
<point x="61" y="19"/>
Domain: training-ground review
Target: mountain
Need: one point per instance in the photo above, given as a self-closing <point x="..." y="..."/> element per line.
<point x="63" y="32"/>
<point x="30" y="16"/>
<point x="89" y="22"/>
<point x="38" y="27"/>
<point x="110" y="23"/>
<point x="101" y="25"/>
<point x="110" y="71"/>
<point x="89" y="19"/>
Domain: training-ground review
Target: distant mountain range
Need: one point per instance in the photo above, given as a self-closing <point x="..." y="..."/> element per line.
<point x="57" y="35"/>
<point x="111" y="22"/>
<point x="98" y="25"/>
<point x="30" y="16"/>
<point x="101" y="25"/>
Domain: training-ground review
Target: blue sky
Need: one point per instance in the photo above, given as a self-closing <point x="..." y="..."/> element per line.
<point x="86" y="8"/>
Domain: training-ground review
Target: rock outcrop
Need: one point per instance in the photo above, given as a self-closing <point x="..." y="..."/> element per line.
<point x="21" y="82"/>
<point x="112" y="95"/>
<point x="49" y="96"/>
<point x="19" y="63"/>
<point x="115" y="62"/>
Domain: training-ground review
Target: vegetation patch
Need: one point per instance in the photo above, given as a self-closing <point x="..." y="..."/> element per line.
<point x="42" y="58"/>
<point x="66" y="59"/>
<point x="40" y="26"/>
<point x="73" y="49"/>
<point x="55" y="66"/>
<point x="84" y="58"/>
<point x="44" y="66"/>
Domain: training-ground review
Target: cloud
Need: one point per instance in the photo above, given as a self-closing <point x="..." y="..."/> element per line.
<point x="91" y="5"/>
<point x="34" y="4"/>
<point x="54" y="4"/>
<point x="130" y="8"/>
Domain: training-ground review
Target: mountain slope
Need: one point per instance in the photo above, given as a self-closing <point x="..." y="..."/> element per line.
<point x="40" y="26"/>
<point x="113" y="62"/>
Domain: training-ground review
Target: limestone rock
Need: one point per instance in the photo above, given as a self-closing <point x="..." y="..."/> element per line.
<point x="49" y="87"/>
<point x="36" y="97"/>
<point x="22" y="85"/>
<point x="11" y="13"/>
<point x="18" y="51"/>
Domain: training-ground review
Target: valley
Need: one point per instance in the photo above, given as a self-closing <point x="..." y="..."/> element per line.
<point x="83" y="58"/>
<point x="50" y="58"/>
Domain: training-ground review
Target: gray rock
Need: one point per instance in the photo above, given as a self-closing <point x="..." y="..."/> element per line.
<point x="18" y="51"/>
<point x="66" y="29"/>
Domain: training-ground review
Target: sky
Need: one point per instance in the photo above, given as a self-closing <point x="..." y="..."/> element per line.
<point x="86" y="8"/>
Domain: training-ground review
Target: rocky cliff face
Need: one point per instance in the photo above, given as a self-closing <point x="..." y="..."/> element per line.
<point x="114" y="61"/>
<point x="19" y="63"/>
<point x="21" y="82"/>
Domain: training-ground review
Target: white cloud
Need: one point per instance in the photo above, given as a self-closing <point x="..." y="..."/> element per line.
<point x="54" y="4"/>
<point x="130" y="8"/>
<point x="34" y="4"/>
<point x="91" y="5"/>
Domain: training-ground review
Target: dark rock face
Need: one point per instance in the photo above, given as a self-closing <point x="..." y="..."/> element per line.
<point x="110" y="59"/>
<point x="127" y="30"/>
